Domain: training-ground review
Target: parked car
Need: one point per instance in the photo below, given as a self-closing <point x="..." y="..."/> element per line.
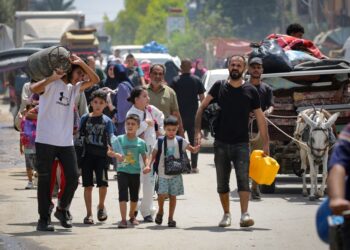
<point x="127" y="49"/>
<point x="211" y="76"/>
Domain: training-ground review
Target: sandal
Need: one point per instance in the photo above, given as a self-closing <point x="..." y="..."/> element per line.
<point x="159" y="219"/>
<point x="102" y="214"/>
<point x="88" y="220"/>
<point x="123" y="224"/>
<point x="172" y="223"/>
<point x="134" y="222"/>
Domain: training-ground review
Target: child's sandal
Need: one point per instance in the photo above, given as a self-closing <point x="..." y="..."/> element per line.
<point x="88" y="220"/>
<point x="159" y="219"/>
<point x="172" y="223"/>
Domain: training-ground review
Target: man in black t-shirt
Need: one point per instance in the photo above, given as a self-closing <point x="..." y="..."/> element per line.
<point x="236" y="99"/>
<point x="189" y="89"/>
<point x="255" y="69"/>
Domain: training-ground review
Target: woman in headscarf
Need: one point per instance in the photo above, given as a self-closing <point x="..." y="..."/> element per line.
<point x="119" y="90"/>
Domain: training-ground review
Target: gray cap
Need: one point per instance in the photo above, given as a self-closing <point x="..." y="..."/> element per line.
<point x="255" y="60"/>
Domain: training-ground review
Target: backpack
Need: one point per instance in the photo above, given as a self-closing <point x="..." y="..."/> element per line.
<point x="211" y="114"/>
<point x="159" y="152"/>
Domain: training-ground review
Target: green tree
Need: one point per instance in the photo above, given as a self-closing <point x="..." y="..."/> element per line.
<point x="123" y="29"/>
<point x="153" y="24"/>
<point x="8" y="8"/>
<point x="54" y="5"/>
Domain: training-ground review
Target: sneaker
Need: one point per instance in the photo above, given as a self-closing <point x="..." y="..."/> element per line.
<point x="148" y="218"/>
<point x="122" y="224"/>
<point x="226" y="220"/>
<point x="45" y="226"/>
<point x="30" y="185"/>
<point x="64" y="218"/>
<point x="256" y="194"/>
<point x="246" y="220"/>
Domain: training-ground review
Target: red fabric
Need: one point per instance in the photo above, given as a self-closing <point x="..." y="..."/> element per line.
<point x="146" y="68"/>
<point x="62" y="185"/>
<point x="291" y="42"/>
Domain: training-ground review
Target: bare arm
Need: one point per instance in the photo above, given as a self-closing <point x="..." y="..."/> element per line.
<point x="260" y="118"/>
<point x="39" y="87"/>
<point x="92" y="76"/>
<point x="193" y="150"/>
<point x="201" y="97"/>
<point x="148" y="168"/>
<point x="198" y="119"/>
<point x="336" y="185"/>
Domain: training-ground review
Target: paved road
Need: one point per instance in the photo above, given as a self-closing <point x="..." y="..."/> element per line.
<point x="283" y="221"/>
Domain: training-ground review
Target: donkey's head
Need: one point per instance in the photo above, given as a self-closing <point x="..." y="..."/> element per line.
<point x="319" y="132"/>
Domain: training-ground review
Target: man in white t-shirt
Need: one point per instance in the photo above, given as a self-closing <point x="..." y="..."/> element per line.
<point x="54" y="137"/>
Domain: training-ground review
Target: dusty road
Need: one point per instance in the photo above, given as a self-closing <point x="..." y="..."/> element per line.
<point x="284" y="220"/>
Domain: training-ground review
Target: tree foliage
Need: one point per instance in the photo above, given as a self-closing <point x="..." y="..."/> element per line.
<point x="8" y="8"/>
<point x="153" y="24"/>
<point x="123" y="29"/>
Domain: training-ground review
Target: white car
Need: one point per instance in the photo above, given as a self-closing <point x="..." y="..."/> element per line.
<point x="211" y="76"/>
<point x="126" y="49"/>
<point x="160" y="58"/>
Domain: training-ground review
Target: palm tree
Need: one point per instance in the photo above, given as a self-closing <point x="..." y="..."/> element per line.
<point x="55" y="5"/>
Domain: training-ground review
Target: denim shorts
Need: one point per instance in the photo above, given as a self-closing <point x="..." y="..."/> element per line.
<point x="172" y="186"/>
<point x="238" y="154"/>
<point x="30" y="160"/>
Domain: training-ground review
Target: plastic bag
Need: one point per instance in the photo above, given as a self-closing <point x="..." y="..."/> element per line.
<point x="274" y="58"/>
<point x="296" y="57"/>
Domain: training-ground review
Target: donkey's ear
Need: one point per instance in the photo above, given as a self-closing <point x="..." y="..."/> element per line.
<point x="331" y="120"/>
<point x="308" y="121"/>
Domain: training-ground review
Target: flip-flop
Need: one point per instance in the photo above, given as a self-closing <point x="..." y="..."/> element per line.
<point x="159" y="219"/>
<point x="172" y="223"/>
<point x="88" y="220"/>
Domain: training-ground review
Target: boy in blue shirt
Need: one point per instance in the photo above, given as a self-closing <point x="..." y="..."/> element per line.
<point x="96" y="130"/>
<point x="129" y="148"/>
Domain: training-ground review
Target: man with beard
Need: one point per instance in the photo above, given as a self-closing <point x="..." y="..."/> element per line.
<point x="236" y="99"/>
<point x="255" y="70"/>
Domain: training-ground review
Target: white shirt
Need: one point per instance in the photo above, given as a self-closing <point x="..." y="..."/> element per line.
<point x="56" y="111"/>
<point x="154" y="114"/>
<point x="172" y="149"/>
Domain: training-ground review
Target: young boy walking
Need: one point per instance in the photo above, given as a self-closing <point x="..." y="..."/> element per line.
<point x="96" y="130"/>
<point x="129" y="148"/>
<point x="170" y="185"/>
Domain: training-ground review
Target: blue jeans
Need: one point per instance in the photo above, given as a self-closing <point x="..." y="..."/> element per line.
<point x="224" y="155"/>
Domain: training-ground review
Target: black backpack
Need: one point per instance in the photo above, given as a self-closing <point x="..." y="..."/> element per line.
<point x="211" y="114"/>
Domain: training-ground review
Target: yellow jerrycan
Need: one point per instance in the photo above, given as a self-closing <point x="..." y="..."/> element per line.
<point x="262" y="169"/>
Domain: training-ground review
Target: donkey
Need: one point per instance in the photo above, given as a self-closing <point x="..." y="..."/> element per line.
<point x="315" y="151"/>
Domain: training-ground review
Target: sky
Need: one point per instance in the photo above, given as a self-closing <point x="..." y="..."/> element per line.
<point x="94" y="10"/>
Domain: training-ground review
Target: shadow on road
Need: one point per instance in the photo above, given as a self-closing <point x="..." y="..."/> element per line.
<point x="217" y="229"/>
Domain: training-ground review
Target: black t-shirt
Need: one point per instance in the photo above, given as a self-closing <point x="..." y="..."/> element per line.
<point x="236" y="104"/>
<point x="265" y="94"/>
<point x="187" y="88"/>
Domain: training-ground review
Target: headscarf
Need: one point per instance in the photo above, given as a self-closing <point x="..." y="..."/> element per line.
<point x="120" y="74"/>
<point x="109" y="82"/>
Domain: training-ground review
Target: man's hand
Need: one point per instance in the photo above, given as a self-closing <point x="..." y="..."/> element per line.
<point x="198" y="138"/>
<point x="339" y="205"/>
<point x="266" y="149"/>
<point x="196" y="149"/>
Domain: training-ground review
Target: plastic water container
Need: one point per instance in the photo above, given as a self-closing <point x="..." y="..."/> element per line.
<point x="262" y="169"/>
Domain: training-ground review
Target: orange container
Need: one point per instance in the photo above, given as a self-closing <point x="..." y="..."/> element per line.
<point x="262" y="169"/>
